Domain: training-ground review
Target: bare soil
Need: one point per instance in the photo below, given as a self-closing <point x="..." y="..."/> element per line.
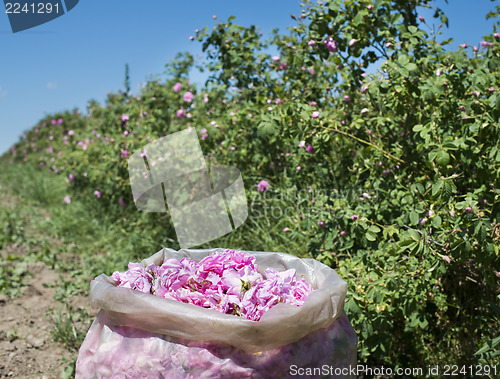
<point x="27" y="348"/>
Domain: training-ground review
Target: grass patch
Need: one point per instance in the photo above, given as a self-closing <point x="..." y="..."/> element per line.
<point x="13" y="275"/>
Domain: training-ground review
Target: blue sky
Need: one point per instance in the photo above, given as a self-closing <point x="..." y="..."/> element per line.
<point x="81" y="55"/>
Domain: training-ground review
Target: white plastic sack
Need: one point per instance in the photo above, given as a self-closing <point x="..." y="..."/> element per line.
<point x="139" y="335"/>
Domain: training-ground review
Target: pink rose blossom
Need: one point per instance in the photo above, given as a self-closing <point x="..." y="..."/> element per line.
<point x="331" y="45"/>
<point x="263" y="185"/>
<point x="188" y="97"/>
<point x="177" y="87"/>
<point x="204" y="133"/>
<point x="315" y="114"/>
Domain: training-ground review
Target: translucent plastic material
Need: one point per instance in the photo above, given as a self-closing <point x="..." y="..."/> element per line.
<point x="142" y="335"/>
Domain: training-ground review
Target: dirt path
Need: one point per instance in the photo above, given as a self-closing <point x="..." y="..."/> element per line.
<point x="27" y="349"/>
<point x="27" y="346"/>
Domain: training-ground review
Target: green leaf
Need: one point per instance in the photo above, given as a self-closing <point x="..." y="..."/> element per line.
<point x="436" y="222"/>
<point x="413" y="217"/>
<point x="374" y="229"/>
<point x="433" y="267"/>
<point x="353" y="307"/>
<point x="424" y="323"/>
<point x="489" y="345"/>
<point x="451" y="145"/>
<point x="444" y="19"/>
<point x="414" y="235"/>
<point x="411" y="66"/>
<point x="436" y="187"/>
<point x="447" y="190"/>
<point x="432" y="154"/>
<point x="403" y="60"/>
<point x="421" y="188"/>
<point x="483" y="234"/>
<point x="413" y="320"/>
<point x="395" y="18"/>
<point x="412" y="29"/>
<point x="265" y="129"/>
<point x="474" y="128"/>
<point x="442" y="158"/>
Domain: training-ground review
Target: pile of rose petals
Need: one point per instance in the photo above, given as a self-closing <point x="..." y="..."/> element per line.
<point x="228" y="282"/>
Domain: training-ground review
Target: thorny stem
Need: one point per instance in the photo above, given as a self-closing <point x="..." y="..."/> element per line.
<point x="421" y="233"/>
<point x="387" y="154"/>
